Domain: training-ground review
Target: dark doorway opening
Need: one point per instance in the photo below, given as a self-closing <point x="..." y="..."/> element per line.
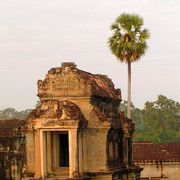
<point x="63" y="150"/>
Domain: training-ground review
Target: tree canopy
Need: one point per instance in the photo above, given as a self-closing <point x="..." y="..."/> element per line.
<point x="158" y="121"/>
<point x="161" y="120"/>
<point x="128" y="42"/>
<point x="11" y="113"/>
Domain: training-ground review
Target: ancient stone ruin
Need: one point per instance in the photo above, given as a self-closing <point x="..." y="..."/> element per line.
<point x="12" y="149"/>
<point x="78" y="131"/>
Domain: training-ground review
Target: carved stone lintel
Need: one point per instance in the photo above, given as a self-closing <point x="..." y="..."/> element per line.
<point x="59" y="110"/>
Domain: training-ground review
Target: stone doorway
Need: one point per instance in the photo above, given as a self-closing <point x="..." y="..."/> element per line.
<point x="54" y="156"/>
<point x="56" y="153"/>
<point x="63" y="150"/>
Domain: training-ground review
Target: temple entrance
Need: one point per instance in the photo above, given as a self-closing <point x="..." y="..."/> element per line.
<point x="55" y="154"/>
<point x="63" y="150"/>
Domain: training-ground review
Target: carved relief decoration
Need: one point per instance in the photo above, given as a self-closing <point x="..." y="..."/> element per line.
<point x="101" y="116"/>
<point x="60" y="123"/>
<point x="60" y="110"/>
<point x="54" y="109"/>
<point x="64" y="81"/>
<point x="70" y="81"/>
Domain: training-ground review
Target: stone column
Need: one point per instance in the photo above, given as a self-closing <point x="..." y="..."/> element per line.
<point x="85" y="150"/>
<point x="125" y="150"/>
<point x="45" y="152"/>
<point x="37" y="154"/>
<point x="130" y="140"/>
<point x="54" y="150"/>
<point x="73" y="160"/>
<point x="30" y="151"/>
<point x="57" y="149"/>
<point x="49" y="166"/>
<point x="42" y="153"/>
<point x="80" y="152"/>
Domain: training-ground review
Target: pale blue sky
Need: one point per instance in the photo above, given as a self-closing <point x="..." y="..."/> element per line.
<point x="36" y="35"/>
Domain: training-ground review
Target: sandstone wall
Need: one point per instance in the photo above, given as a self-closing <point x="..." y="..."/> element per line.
<point x="168" y="170"/>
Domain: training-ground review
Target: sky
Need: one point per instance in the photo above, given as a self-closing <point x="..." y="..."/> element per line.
<point x="36" y="35"/>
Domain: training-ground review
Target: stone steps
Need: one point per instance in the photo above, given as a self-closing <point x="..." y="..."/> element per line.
<point x="59" y="174"/>
<point x="66" y="178"/>
<point x="57" y="178"/>
<point x="62" y="171"/>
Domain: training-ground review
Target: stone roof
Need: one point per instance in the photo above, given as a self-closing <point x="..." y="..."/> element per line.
<point x="9" y="128"/>
<point x="67" y="80"/>
<point x="102" y="86"/>
<point x="148" y="151"/>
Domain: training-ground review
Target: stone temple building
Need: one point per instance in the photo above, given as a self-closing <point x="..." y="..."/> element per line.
<point x="78" y="131"/>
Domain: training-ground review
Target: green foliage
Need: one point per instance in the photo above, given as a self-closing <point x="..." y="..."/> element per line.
<point x="161" y="121"/>
<point x="11" y="113"/>
<point x="128" y="42"/>
<point x="135" y="112"/>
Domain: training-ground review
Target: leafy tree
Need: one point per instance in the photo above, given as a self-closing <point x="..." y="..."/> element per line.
<point x="161" y="120"/>
<point x="128" y="43"/>
<point x="11" y="113"/>
<point x="136" y="117"/>
<point x="22" y="115"/>
<point x="135" y="113"/>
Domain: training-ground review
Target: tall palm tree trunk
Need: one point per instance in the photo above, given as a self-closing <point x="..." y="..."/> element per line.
<point x="129" y="91"/>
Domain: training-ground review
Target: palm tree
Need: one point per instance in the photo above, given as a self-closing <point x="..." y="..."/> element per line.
<point x="128" y="43"/>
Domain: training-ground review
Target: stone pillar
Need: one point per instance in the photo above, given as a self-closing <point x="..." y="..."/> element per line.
<point x="130" y="140"/>
<point x="80" y="152"/>
<point x="49" y="163"/>
<point x="42" y="153"/>
<point x="37" y="154"/>
<point x="54" y="150"/>
<point x="45" y="152"/>
<point x="57" y="149"/>
<point x="30" y="151"/>
<point x="73" y="160"/>
<point x="85" y="150"/>
<point x="125" y="150"/>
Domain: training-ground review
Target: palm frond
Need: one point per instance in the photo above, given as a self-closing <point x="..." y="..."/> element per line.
<point x="128" y="42"/>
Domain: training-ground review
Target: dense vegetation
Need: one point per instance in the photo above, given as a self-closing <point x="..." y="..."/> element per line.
<point x="158" y="121"/>
<point x="11" y="113"/>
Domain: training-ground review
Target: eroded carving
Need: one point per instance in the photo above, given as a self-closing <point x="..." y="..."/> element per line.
<point x="50" y="109"/>
<point x="59" y="110"/>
